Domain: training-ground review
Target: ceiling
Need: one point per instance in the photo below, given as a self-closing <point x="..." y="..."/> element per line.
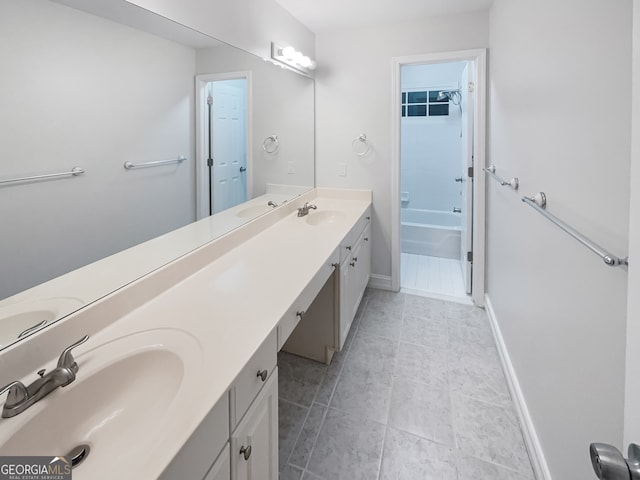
<point x="332" y="14"/>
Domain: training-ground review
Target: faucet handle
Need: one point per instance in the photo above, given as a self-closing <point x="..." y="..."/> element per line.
<point x="66" y="359"/>
<point x="17" y="393"/>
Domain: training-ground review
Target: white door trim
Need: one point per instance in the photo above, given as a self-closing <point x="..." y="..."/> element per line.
<point x="477" y="56"/>
<point x="202" y="207"/>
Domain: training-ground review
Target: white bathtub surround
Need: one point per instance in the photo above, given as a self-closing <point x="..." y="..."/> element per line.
<point x="229" y="295"/>
<point x="430" y="232"/>
<point x="431" y="146"/>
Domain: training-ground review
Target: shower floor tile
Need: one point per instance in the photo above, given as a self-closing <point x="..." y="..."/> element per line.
<point x="434" y="276"/>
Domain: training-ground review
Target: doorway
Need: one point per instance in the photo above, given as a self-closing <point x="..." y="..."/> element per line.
<point x="223" y="173"/>
<point x="438" y="205"/>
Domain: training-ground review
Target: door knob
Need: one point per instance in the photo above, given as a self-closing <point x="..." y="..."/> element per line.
<point x="609" y="464"/>
<point x="459" y="179"/>
<point x="245" y="452"/>
<point x="243" y="169"/>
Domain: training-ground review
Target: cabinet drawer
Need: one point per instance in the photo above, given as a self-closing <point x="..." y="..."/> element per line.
<point x="347" y="245"/>
<point x="290" y="319"/>
<point x="252" y="378"/>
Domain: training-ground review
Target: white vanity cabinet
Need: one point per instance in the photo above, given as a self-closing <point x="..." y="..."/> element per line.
<point x="254" y="443"/>
<point x="332" y="299"/>
<point x="355" y="268"/>
<point x="205" y="450"/>
<point x="221" y="469"/>
<point x="244" y="423"/>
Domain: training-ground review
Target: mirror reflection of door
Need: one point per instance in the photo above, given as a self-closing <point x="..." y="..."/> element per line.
<point x="228" y="140"/>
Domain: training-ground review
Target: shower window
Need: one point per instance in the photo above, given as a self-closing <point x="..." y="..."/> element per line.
<point x="424" y="104"/>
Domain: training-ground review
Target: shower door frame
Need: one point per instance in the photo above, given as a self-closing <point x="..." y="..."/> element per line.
<point x="478" y="57"/>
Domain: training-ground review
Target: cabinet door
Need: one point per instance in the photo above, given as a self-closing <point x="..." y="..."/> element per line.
<point x="363" y="267"/>
<point x="254" y="444"/>
<point x="221" y="469"/>
<point x="355" y="291"/>
<point x="345" y="299"/>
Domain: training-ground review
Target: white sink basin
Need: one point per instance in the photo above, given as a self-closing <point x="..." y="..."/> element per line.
<point x="324" y="217"/>
<point x="254" y="211"/>
<point x="16" y="318"/>
<point x="121" y="404"/>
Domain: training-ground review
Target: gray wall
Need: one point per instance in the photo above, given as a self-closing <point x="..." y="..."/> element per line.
<point x="353" y="89"/>
<point x="80" y="90"/>
<point x="554" y="125"/>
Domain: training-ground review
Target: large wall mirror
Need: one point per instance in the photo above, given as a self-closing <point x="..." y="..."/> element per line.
<point x="85" y="93"/>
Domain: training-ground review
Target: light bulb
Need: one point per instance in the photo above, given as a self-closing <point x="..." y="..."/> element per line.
<point x="312" y="65"/>
<point x="289" y="52"/>
<point x="297" y="57"/>
<point x="305" y="62"/>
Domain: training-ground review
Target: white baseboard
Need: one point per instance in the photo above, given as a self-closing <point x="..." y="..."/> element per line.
<point x="538" y="462"/>
<point x="381" y="282"/>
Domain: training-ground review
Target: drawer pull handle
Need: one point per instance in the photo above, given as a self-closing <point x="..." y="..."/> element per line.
<point x="368" y="218"/>
<point x="348" y="247"/>
<point x="353" y="264"/>
<point x="300" y="314"/>
<point x="246" y="452"/>
<point x="366" y="239"/>
<point x="262" y="374"/>
<point x="355" y="259"/>
<point x="335" y="265"/>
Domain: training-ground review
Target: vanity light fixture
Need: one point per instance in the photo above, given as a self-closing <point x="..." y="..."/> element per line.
<point x="291" y="58"/>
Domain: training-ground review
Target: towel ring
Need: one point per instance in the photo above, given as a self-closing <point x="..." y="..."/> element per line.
<point x="360" y="145"/>
<point x="271" y="144"/>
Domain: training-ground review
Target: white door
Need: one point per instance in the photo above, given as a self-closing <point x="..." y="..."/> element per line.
<point x="631" y="432"/>
<point x="228" y="133"/>
<point x="467" y="182"/>
<point x="632" y="367"/>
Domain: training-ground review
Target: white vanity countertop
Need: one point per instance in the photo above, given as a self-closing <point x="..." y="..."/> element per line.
<point x="232" y="304"/>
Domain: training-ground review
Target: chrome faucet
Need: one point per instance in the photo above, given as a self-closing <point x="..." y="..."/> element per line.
<point x="20" y="397"/>
<point x="304" y="210"/>
<point x="271" y="203"/>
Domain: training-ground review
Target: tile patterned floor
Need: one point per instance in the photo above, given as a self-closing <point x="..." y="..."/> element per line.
<point x="438" y="276"/>
<point x="416" y="394"/>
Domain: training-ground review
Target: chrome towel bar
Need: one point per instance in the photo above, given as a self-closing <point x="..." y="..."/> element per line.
<point x="539" y="204"/>
<point x="129" y="165"/>
<point x="75" y="171"/>
<point x="513" y="183"/>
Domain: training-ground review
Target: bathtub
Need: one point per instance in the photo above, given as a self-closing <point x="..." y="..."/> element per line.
<point x="430" y="232"/>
